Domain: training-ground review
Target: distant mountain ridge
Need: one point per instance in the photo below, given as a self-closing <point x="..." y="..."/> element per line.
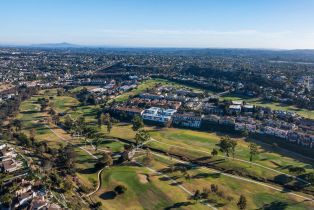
<point x="56" y="45"/>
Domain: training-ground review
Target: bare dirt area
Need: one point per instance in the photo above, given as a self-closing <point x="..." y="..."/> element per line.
<point x="143" y="178"/>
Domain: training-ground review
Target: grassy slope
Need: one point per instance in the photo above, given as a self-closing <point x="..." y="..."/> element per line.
<point x="30" y="115"/>
<point x="256" y="196"/>
<point x="155" y="194"/>
<point x="203" y="141"/>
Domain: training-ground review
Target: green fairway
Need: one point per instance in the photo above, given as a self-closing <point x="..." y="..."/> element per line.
<point x="141" y="193"/>
<point x="257" y="196"/>
<point x="32" y="118"/>
<point x="195" y="144"/>
<point x="202" y="141"/>
<point x="85" y="168"/>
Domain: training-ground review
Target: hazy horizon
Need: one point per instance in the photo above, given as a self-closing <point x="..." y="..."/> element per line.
<point x="267" y="24"/>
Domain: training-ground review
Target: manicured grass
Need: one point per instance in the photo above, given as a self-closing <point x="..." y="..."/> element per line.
<point x="195" y="144"/>
<point x="207" y="141"/>
<point x="89" y="112"/>
<point x="113" y="146"/>
<point x="85" y="168"/>
<point x="154" y="194"/>
<point x="31" y="117"/>
<point x="273" y="105"/>
<point x="257" y="196"/>
<point x="78" y="89"/>
<point x="158" y="193"/>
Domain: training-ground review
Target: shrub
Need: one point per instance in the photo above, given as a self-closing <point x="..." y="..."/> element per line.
<point x="120" y="189"/>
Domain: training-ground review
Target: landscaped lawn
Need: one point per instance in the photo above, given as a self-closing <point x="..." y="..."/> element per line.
<point x="141" y="193"/>
<point x="195" y="144"/>
<point x="203" y="141"/>
<point x="31" y="117"/>
<point x="85" y="168"/>
<point x="257" y="196"/>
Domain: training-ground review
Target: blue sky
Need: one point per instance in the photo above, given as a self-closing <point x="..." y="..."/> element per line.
<point x="285" y="24"/>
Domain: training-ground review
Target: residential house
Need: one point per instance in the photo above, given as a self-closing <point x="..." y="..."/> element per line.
<point x="159" y="115"/>
<point x="187" y="120"/>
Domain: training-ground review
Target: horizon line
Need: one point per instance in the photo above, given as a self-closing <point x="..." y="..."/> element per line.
<point x="78" y="45"/>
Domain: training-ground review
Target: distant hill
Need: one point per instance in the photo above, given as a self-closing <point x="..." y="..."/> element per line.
<point x="56" y="45"/>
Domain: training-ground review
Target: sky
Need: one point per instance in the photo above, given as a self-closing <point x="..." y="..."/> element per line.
<point x="282" y="24"/>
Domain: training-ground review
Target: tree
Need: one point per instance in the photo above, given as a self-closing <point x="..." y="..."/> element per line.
<point x="225" y="145"/>
<point x="120" y="189"/>
<point x="137" y="123"/>
<point x="43" y="103"/>
<point x="233" y="146"/>
<point x="205" y="193"/>
<point x="67" y="158"/>
<point x="141" y="136"/>
<point x="97" y="205"/>
<point x="32" y="134"/>
<point x="148" y="158"/>
<point x="60" y="92"/>
<point x="97" y="141"/>
<point x="67" y="185"/>
<point x="101" y="119"/>
<point x="17" y="124"/>
<point x="104" y="161"/>
<point x="23" y="139"/>
<point x="197" y="196"/>
<point x="253" y="150"/>
<point x="214" y="152"/>
<point x="245" y="133"/>
<point x="214" y="188"/>
<point x="68" y="122"/>
<point x="309" y="177"/>
<point x="6" y="199"/>
<point x="297" y="170"/>
<point x="242" y="202"/>
<point x="187" y="176"/>
<point x="109" y="126"/>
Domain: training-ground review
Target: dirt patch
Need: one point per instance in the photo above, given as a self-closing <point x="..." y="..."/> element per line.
<point x="143" y="178"/>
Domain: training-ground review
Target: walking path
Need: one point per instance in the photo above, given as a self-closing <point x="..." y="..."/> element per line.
<point x="99" y="183"/>
<point x="237" y="159"/>
<point x="236" y="177"/>
<point x="174" y="182"/>
<point x="212" y="170"/>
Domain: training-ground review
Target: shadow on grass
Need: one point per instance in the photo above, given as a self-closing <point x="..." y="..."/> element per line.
<point x="87" y="160"/>
<point x="206" y="175"/>
<point x="276" y="205"/>
<point x="108" y="195"/>
<point x="178" y="205"/>
<point x="87" y="170"/>
<point x="29" y="112"/>
<point x="176" y="183"/>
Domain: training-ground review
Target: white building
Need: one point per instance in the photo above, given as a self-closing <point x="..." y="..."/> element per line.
<point x="158" y="114"/>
